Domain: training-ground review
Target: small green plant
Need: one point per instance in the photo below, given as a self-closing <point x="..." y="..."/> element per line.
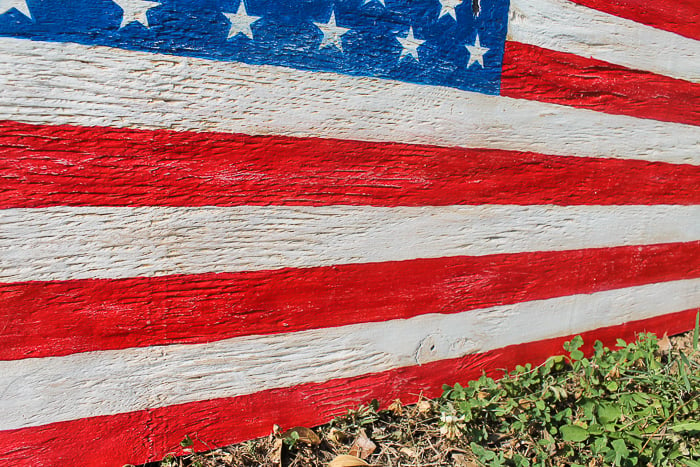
<point x="356" y="419"/>
<point x="635" y="405"/>
<point x="191" y="459"/>
<point x="631" y="406"/>
<point x="186" y="442"/>
<point x="291" y="439"/>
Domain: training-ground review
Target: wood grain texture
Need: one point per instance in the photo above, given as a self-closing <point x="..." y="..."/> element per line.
<point x="531" y="72"/>
<point x="271" y="234"/>
<point x="568" y="27"/>
<point x="63" y="243"/>
<point x="80" y="85"/>
<point x="42" y="319"/>
<point x="94" y="441"/>
<point x="117" y="381"/>
<point x="679" y="16"/>
<point x="40" y="165"/>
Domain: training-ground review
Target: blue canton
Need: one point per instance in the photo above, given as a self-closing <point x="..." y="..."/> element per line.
<point x="437" y="42"/>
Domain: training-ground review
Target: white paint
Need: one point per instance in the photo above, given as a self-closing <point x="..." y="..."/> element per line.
<point x="332" y="33"/>
<point x="39" y="391"/>
<point x="61" y="243"/>
<point x="135" y="11"/>
<point x="568" y="27"/>
<point x="240" y="22"/>
<point x="476" y="53"/>
<point x="19" y="5"/>
<point x="409" y="45"/>
<point x="447" y="7"/>
<point x="48" y="83"/>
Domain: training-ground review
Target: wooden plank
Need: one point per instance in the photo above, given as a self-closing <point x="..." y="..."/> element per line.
<point x="96" y="440"/>
<point x="89" y="85"/>
<point x="64" y="243"/>
<point x="46" y="319"/>
<point x="109" y="382"/>
<point x="39" y="166"/>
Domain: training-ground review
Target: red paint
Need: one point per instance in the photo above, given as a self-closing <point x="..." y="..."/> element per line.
<point x="43" y="319"/>
<point x="73" y="166"/>
<point x="535" y="73"/>
<point x="142" y="436"/>
<point x="679" y="16"/>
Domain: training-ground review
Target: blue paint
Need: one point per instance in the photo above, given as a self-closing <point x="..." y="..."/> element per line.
<point x="286" y="35"/>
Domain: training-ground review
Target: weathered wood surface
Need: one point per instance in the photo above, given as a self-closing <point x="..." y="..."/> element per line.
<point x="565" y="26"/>
<point x="136" y="435"/>
<point x="92" y="384"/>
<point x="117" y="167"/>
<point x="187" y="93"/>
<point x="64" y="317"/>
<point x="200" y="243"/>
<point x="66" y="243"/>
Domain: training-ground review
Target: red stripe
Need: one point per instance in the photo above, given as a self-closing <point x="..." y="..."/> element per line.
<point x="45" y="166"/>
<point x="148" y="435"/>
<point x="679" y="16"/>
<point x="43" y="319"/>
<point x="535" y="73"/>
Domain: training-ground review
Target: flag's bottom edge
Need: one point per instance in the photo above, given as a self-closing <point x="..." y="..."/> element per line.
<point x="147" y="435"/>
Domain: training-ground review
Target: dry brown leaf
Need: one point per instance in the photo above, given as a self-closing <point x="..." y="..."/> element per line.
<point x="407" y="452"/>
<point x="337" y="435"/>
<point x="396" y="407"/>
<point x="423" y="406"/>
<point x="276" y="452"/>
<point x="462" y="461"/>
<point x="345" y="460"/>
<point x="525" y="403"/>
<point x="665" y="343"/>
<point x="306" y="435"/>
<point x="362" y="447"/>
<point x="220" y="455"/>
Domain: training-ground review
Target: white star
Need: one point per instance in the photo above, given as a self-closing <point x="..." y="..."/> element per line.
<point x="448" y="8"/>
<point x="240" y="22"/>
<point x="476" y="53"/>
<point x="135" y="11"/>
<point x="365" y="2"/>
<point x="410" y="45"/>
<point x="331" y="33"/>
<point x="19" y="5"/>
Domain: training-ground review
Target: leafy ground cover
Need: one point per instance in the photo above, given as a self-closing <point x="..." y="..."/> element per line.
<point x="634" y="405"/>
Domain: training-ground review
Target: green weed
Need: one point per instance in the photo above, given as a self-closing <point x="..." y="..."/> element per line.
<point x="632" y="406"/>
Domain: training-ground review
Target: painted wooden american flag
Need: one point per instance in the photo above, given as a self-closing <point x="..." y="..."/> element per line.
<point x="218" y="215"/>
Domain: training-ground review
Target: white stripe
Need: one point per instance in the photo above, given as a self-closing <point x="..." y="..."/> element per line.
<point x="39" y="391"/>
<point x="61" y="243"/>
<point x="568" y="27"/>
<point x="48" y="83"/>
